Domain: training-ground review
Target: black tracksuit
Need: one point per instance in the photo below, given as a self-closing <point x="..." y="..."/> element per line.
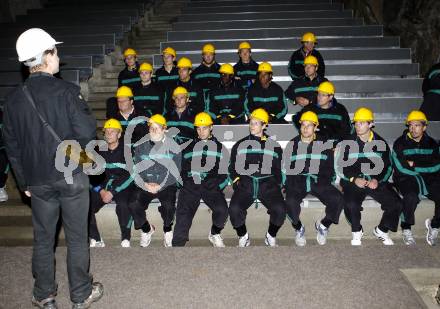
<point x="207" y="77"/>
<point x="431" y="93"/>
<point x="184" y="122"/>
<point x="309" y="169"/>
<point x="149" y="99"/>
<point x="334" y="122"/>
<point x="4" y="163"/>
<point x="296" y="63"/>
<point x="196" y="96"/>
<point x="369" y="154"/>
<point x="226" y="102"/>
<point x="129" y="77"/>
<point x="156" y="162"/>
<point x="246" y="73"/>
<point x="140" y="129"/>
<point x="271" y="99"/>
<point x="304" y="87"/>
<point x="165" y="79"/>
<point x="421" y="179"/>
<point x="202" y="179"/>
<point x="260" y="159"/>
<point x="117" y="180"/>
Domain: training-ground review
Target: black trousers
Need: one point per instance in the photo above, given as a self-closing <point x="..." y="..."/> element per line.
<point x="391" y="205"/>
<point x="141" y="199"/>
<point x="4" y="168"/>
<point x="122" y="200"/>
<point x="268" y="192"/>
<point x="187" y="205"/>
<point x="71" y="201"/>
<point x="409" y="189"/>
<point x="296" y="191"/>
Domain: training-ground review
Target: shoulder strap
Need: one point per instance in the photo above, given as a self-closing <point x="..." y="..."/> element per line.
<point x="45" y="124"/>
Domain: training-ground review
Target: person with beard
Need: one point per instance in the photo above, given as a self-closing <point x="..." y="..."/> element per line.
<point x="202" y="179"/>
<point x="226" y="103"/>
<point x="157" y="166"/>
<point x="246" y="68"/>
<point x="206" y="74"/>
<point x="296" y="63"/>
<point x="167" y="75"/>
<point x="129" y="75"/>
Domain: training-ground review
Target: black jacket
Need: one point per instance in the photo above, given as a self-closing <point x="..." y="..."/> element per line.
<point x="246" y="72"/>
<point x="431" y="93"/>
<point x="226" y="102"/>
<point x="304" y="87"/>
<point x="140" y="125"/>
<point x="166" y="80"/>
<point x="184" y="122"/>
<point x="207" y="77"/>
<point x="129" y="77"/>
<point x="30" y="147"/>
<point x="271" y="99"/>
<point x="149" y="99"/>
<point x="296" y="63"/>
<point x="196" y="96"/>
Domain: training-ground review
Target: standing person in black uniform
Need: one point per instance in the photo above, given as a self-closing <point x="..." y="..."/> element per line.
<point x="334" y="121"/>
<point x="159" y="159"/>
<point x="296" y="63"/>
<point x="255" y="169"/>
<point x="181" y="116"/>
<point x="226" y="103"/>
<point x="360" y="178"/>
<point x="304" y="90"/>
<point x="307" y="151"/>
<point x="246" y="68"/>
<point x="195" y="92"/>
<point x="416" y="173"/>
<point x="149" y="98"/>
<point x="61" y="106"/>
<point x="206" y="74"/>
<point x="129" y="76"/>
<point x="167" y="75"/>
<point x="202" y="179"/>
<point x="431" y="93"/>
<point x="116" y="186"/>
<point x="267" y="95"/>
<point x="4" y="164"/>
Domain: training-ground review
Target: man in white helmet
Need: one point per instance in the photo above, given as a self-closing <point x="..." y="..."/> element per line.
<point x="37" y="116"/>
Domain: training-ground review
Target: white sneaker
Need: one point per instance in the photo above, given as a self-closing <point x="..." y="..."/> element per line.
<point x="97" y="244"/>
<point x="408" y="238"/>
<point x="300" y="238"/>
<point x="270" y="241"/>
<point x="168" y="239"/>
<point x="244" y="241"/>
<point x="3" y="195"/>
<point x="125" y="243"/>
<point x="146" y="237"/>
<point x="386" y="240"/>
<point x="357" y="237"/>
<point x="216" y="240"/>
<point x="431" y="233"/>
<point x="321" y="233"/>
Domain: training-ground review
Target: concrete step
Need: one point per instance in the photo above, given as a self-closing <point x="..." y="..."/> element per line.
<point x="246" y="34"/>
<point x="224" y="17"/>
<point x="216" y="3"/>
<point x="262" y="8"/>
<point x="342" y="54"/>
<point x="285" y="43"/>
<point x="268" y="23"/>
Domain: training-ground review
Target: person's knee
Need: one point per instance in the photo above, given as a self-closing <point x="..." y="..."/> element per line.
<point x="278" y="213"/>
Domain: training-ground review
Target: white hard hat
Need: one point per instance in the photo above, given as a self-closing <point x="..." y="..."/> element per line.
<point x="32" y="44"/>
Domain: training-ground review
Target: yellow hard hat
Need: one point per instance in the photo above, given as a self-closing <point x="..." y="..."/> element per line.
<point x="159" y="119"/>
<point x="326" y="87"/>
<point x="265" y="67"/>
<point x="416" y="115"/>
<point x="208" y="49"/>
<point x="184" y="63"/>
<point x="202" y="120"/>
<point x="123" y="92"/>
<point x="146" y="67"/>
<point x="308" y="37"/>
<point x="244" y="45"/>
<point x="112" y="124"/>
<point x="310" y="60"/>
<point x="261" y="115"/>
<point x="309" y="116"/>
<point x="180" y="90"/>
<point x="129" y="52"/>
<point x="226" y="68"/>
<point x="170" y="51"/>
<point x="363" y="114"/>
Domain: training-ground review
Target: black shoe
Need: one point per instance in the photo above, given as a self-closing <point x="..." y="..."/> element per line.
<point x="47" y="303"/>
<point x="97" y="292"/>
